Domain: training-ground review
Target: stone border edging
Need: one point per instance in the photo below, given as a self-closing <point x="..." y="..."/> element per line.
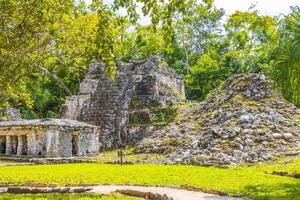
<point x="287" y="174"/>
<point x="127" y="192"/>
<point x="145" y="195"/>
<point x="36" y="190"/>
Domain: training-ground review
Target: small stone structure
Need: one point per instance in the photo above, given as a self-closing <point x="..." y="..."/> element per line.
<point x="48" y="138"/>
<point x="137" y="86"/>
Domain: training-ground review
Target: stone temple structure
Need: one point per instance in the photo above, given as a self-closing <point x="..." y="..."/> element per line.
<point x="136" y="88"/>
<point x="48" y="138"/>
<point x="96" y="118"/>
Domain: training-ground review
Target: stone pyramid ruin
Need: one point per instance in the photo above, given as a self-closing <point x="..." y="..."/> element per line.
<point x="242" y="121"/>
<point x="112" y="104"/>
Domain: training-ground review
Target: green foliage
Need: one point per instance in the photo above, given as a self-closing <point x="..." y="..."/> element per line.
<point x="28" y="114"/>
<point x="286" y="66"/>
<point x="245" y="46"/>
<point x="163" y="115"/>
<point x="46" y="47"/>
<point x="25" y="33"/>
<point x="156" y="115"/>
<point x="143" y="42"/>
<point x="205" y="75"/>
<point x="255" y="182"/>
<point x="161" y="12"/>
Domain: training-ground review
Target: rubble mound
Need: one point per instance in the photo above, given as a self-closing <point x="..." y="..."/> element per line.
<point x="242" y="121"/>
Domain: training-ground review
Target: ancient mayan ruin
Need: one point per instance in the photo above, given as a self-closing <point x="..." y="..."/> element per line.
<point x="48" y="138"/>
<point x="96" y="118"/>
<point x="127" y="110"/>
<point x="112" y="104"/>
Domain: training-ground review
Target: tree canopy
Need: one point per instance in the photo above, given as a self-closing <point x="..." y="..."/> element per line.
<point x="46" y="46"/>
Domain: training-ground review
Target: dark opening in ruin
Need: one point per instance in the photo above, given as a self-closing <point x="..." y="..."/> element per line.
<point x="24" y="145"/>
<point x="2" y="144"/>
<point x="75" y="139"/>
<point x="14" y="144"/>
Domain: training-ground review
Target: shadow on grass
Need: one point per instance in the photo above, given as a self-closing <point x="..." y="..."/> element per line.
<point x="284" y="191"/>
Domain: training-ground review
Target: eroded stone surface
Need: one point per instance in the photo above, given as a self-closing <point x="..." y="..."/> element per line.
<point x="106" y="103"/>
<point x="11" y="114"/>
<point x="241" y="121"/>
<point x="137" y="86"/>
<point x="48" y="138"/>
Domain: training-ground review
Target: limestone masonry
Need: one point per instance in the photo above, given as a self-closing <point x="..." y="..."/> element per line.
<point x="48" y="138"/>
<point x="136" y="88"/>
<point x="95" y="119"/>
<point x="244" y="120"/>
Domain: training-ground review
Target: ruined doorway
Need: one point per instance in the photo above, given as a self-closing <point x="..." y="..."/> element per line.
<point x="75" y="140"/>
<point x="2" y="144"/>
<point x="14" y="144"/>
<point x="24" y="145"/>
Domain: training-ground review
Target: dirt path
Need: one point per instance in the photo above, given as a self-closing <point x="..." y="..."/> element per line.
<point x="137" y="191"/>
<point x="175" y="194"/>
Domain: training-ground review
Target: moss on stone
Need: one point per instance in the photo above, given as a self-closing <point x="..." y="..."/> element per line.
<point x="163" y="115"/>
<point x="133" y="103"/>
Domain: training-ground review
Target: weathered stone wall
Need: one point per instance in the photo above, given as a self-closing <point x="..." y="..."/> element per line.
<point x="11" y="114"/>
<point x="40" y="139"/>
<point x="73" y="105"/>
<point x="134" y="134"/>
<point x="65" y="143"/>
<point x="137" y="86"/>
<point x="88" y="143"/>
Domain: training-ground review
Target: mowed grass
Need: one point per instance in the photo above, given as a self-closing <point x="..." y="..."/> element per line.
<point x="65" y="197"/>
<point x="255" y="182"/>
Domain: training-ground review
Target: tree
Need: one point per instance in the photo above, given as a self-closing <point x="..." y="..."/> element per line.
<point x="245" y="45"/>
<point x="250" y="39"/>
<point x="26" y="32"/>
<point x="63" y="66"/>
<point x="286" y="66"/>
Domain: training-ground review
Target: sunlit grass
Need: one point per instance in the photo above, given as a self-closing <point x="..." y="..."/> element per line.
<point x="255" y="182"/>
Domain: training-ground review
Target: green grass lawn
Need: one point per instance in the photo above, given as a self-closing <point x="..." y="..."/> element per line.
<point x="65" y="197"/>
<point x="250" y="181"/>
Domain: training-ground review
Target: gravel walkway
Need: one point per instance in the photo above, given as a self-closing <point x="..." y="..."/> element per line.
<point x="171" y="193"/>
<point x="176" y="194"/>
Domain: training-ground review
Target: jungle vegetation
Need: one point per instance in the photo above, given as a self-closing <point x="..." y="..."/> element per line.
<point x="46" y="46"/>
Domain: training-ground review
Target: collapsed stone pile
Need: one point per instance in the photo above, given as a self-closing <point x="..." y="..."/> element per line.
<point x="242" y="121"/>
